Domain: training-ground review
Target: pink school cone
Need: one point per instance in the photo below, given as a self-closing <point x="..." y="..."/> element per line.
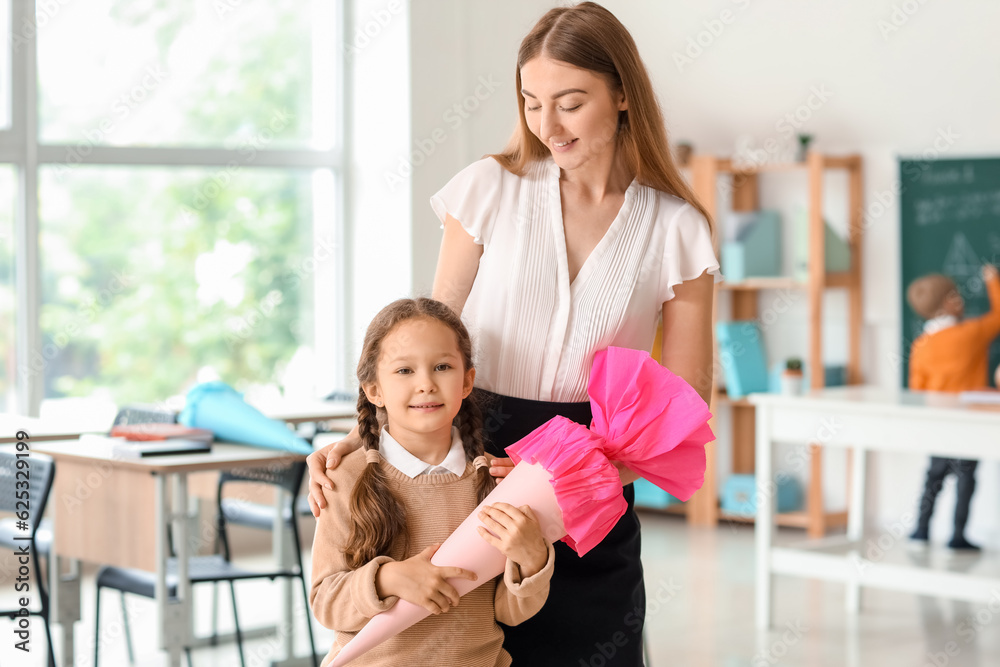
<point x="527" y="484"/>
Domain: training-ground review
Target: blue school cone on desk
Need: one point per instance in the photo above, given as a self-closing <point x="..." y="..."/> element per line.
<point x="219" y="408"/>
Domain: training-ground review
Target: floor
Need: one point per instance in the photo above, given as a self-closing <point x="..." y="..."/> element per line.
<point x="699" y="613"/>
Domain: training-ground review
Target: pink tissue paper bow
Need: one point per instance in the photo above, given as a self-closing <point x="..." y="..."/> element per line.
<point x="645" y="417"/>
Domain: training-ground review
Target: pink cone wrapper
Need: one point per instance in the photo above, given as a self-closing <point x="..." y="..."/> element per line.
<point x="644" y="416"/>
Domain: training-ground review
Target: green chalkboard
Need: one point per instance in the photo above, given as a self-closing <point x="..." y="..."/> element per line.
<point x="950" y="224"/>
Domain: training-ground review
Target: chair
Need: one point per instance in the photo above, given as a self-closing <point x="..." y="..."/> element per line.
<point x="217" y="567"/>
<point x="41" y="471"/>
<point x="144" y="414"/>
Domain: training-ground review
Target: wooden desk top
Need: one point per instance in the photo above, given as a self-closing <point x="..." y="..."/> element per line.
<point x="224" y="456"/>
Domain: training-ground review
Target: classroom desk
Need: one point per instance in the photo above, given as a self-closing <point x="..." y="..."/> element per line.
<point x="867" y="419"/>
<point x="91" y="483"/>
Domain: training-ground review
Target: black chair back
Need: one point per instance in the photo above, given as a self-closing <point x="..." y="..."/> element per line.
<point x="144" y="414"/>
<point x="32" y="474"/>
<point x="286" y="477"/>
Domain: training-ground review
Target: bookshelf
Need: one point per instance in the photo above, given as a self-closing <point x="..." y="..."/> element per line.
<point x="706" y="171"/>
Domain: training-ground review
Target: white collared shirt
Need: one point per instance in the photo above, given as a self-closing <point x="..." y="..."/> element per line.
<point x="537" y="331"/>
<point x="408" y="464"/>
<point x="936" y="324"/>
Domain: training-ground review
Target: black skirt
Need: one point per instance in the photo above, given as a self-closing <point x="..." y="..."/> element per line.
<point x="597" y="604"/>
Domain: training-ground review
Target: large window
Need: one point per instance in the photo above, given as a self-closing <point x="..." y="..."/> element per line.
<point x="150" y="275"/>
<point x="184" y="73"/>
<point x="8" y="294"/>
<point x="185" y="161"/>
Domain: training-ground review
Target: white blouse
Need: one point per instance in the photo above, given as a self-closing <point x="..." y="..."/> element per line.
<point x="536" y="332"/>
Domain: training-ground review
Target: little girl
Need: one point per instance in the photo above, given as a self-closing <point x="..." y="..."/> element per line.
<point x="422" y="472"/>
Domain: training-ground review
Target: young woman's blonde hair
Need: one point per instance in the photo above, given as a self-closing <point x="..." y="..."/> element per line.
<point x="378" y="518"/>
<point x="588" y="36"/>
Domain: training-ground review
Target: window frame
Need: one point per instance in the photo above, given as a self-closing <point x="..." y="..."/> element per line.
<point x="21" y="147"/>
<point x="6" y="51"/>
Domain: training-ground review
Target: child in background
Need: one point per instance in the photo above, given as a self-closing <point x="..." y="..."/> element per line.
<point x="422" y="472"/>
<point x="951" y="355"/>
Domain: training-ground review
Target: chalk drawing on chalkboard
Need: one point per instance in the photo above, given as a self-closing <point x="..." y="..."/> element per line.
<point x="962" y="263"/>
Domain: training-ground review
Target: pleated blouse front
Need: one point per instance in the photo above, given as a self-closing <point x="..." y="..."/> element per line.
<point x="536" y="332"/>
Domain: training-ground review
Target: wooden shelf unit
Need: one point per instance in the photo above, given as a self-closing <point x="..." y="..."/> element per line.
<point x="705" y="171"/>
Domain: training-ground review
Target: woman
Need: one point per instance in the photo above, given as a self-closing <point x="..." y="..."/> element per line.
<point x="579" y="236"/>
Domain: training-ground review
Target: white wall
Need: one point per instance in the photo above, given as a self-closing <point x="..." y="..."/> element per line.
<point x="895" y="83"/>
<point x="378" y="127"/>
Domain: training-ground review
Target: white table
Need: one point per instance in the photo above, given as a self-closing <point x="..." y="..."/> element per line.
<point x="295" y="411"/>
<point x="99" y="501"/>
<point x="42" y="431"/>
<point x="867" y="419"/>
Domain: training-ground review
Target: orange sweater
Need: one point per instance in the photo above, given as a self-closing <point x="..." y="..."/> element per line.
<point x="343" y="599"/>
<point x="957" y="358"/>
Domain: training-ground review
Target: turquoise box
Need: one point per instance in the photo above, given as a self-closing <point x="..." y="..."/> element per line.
<point x="756" y="249"/>
<point x="741" y="355"/>
<point x="739" y="494"/>
<point x="648" y="494"/>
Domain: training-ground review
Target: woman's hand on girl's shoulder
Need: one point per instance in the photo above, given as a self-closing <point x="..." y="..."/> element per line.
<point x="515" y="533"/>
<point x="419" y="581"/>
<point x="324" y="460"/>
<point x="500" y="468"/>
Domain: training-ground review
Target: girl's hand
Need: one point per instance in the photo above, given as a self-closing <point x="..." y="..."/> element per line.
<point x="420" y="582"/>
<point x="989" y="272"/>
<point x="326" y="459"/>
<point x="515" y="532"/>
<point x="500" y="468"/>
<point x="625" y="474"/>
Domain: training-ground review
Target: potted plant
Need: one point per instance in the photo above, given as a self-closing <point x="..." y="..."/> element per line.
<point x="791" y="377"/>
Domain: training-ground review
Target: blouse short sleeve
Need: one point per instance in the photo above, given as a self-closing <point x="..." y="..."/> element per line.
<point x="472" y="197"/>
<point x="688" y="251"/>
